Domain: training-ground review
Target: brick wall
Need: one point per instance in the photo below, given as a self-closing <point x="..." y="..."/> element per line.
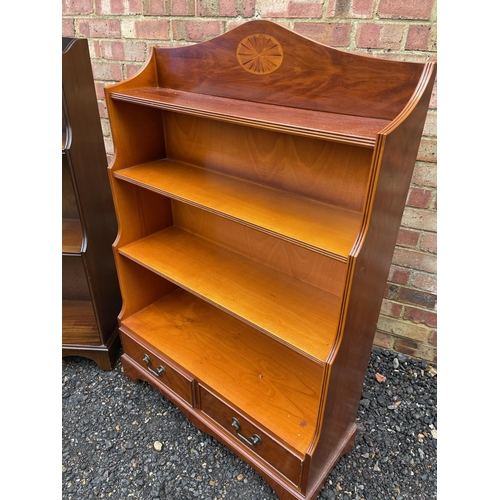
<point x="120" y="33"/>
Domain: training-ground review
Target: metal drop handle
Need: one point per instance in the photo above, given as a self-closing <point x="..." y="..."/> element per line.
<point x="255" y="439"/>
<point x="156" y="372"/>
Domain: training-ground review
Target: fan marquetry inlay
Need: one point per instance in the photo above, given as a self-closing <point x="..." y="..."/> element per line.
<point x="259" y="54"/>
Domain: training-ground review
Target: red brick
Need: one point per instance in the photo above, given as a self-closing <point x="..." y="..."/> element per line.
<point x="414" y="259"/>
<point x="402" y="328"/>
<point x="207" y="8"/>
<point x="103" y="110"/>
<point x="433" y="338"/>
<point x="94" y="49"/>
<point x="77" y="7"/>
<point x="109" y="146"/>
<point x="181" y="8"/>
<point x="425" y="281"/>
<point x="228" y="8"/>
<point x="310" y="10"/>
<point x="433" y="101"/>
<point x="430" y="126"/>
<point x="418" y="37"/>
<point x="350" y="8"/>
<point x="233" y="8"/>
<point x="330" y="10"/>
<point x="273" y="8"/>
<point x="391" y="36"/>
<point x="399" y="275"/>
<point x="380" y="36"/>
<point x="368" y="35"/>
<point x="362" y="8"/>
<point x="99" y="28"/>
<point x="425" y="174"/>
<point x="99" y="90"/>
<point x="429" y="242"/>
<point x="124" y="51"/>
<point x="195" y="31"/>
<point x="407" y="238"/>
<point x="109" y="7"/>
<point x="107" y="71"/>
<point x="68" y="28"/>
<point x="427" y="150"/>
<point x="154" y="8"/>
<point x="390" y="308"/>
<point x="403" y="9"/>
<point x="419" y="198"/>
<point x="331" y="34"/>
<point x="391" y="291"/>
<point x="415" y="349"/>
<point x="248" y="8"/>
<point x="153" y="29"/>
<point x="422" y="316"/>
<point x="383" y="340"/>
<point x="113" y="50"/>
<point x="105" y="128"/>
<point x="132" y="70"/>
<point x="417" y="218"/>
<point x="417" y="297"/>
<point x="117" y="7"/>
<point x="433" y="39"/>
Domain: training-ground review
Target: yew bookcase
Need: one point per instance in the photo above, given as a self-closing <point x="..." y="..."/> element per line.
<point x="259" y="182"/>
<point x="91" y="298"/>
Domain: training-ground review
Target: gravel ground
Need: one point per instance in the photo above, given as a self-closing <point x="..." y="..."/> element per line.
<point x="123" y="440"/>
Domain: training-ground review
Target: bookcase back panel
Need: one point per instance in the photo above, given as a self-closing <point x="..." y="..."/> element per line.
<point x="311" y="267"/>
<point x="325" y="171"/>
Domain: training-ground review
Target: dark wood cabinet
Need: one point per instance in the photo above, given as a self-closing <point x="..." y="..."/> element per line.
<point x="91" y="297"/>
<point x="259" y="182"/>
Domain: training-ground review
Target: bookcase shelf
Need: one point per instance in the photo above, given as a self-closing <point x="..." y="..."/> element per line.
<point x="91" y="296"/>
<point x="358" y="130"/>
<point x="256" y="294"/>
<point x="325" y="228"/>
<point x="259" y="182"/>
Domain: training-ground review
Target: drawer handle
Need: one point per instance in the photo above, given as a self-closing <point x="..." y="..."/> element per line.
<point x="156" y="372"/>
<point x="255" y="439"/>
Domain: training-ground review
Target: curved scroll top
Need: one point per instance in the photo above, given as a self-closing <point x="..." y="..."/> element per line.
<point x="259" y="54"/>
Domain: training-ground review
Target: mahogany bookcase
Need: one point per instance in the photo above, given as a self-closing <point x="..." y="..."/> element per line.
<point x="259" y="181"/>
<point x="91" y="298"/>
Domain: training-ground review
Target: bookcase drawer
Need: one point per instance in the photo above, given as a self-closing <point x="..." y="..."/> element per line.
<point x="252" y="437"/>
<point x="160" y="367"/>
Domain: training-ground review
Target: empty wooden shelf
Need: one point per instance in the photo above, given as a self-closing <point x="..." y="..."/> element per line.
<point x="91" y="297"/>
<point x="259" y="182"/>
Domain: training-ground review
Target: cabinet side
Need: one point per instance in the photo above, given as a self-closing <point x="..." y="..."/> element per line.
<point x="368" y="269"/>
<point x="137" y="133"/>
<point x="86" y="156"/>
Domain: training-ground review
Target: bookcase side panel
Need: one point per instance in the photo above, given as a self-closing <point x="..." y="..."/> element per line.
<point x="137" y="133"/>
<point x="368" y="269"/>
